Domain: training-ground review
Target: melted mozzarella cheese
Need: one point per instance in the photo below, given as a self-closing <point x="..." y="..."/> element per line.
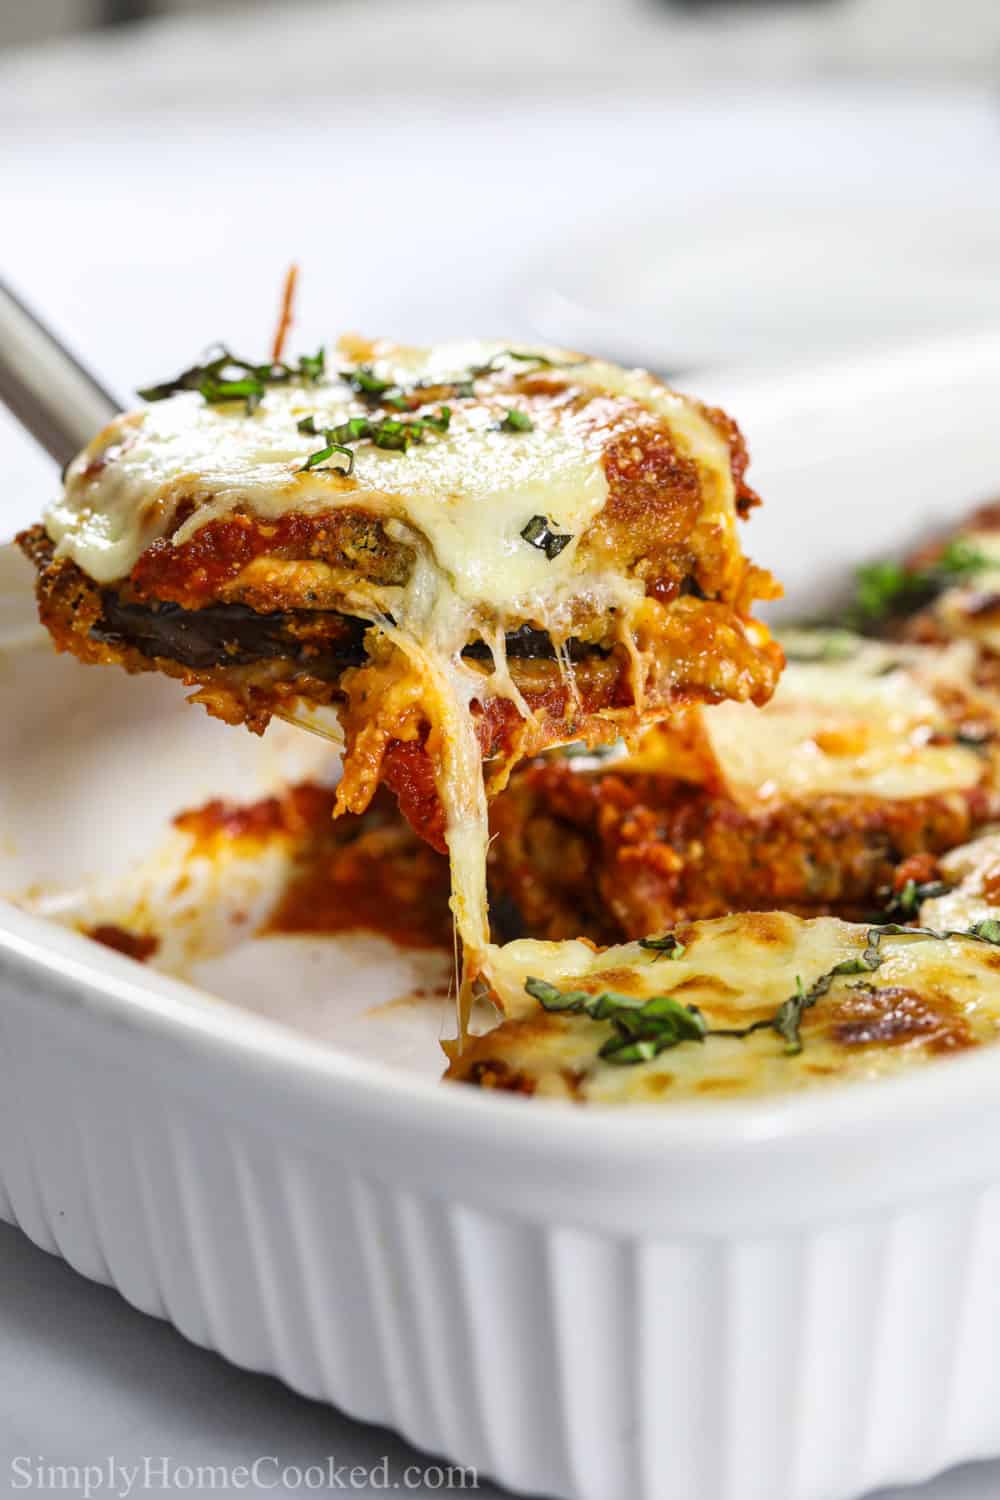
<point x="927" y="997"/>
<point x="871" y="722"/>
<point x="469" y="492"/>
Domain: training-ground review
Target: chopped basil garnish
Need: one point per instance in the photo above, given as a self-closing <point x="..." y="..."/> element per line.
<point x="516" y="421"/>
<point x="975" y="737"/>
<point x="663" y="947"/>
<point x="539" y="533"/>
<point x="393" y="433"/>
<point x="553" y="998"/>
<point x="645" y="1028"/>
<point x="883" y="589"/>
<point x="440" y="423"/>
<point x="313" y="366"/>
<point x="642" y="1029"/>
<point x="224" y="377"/>
<point x="317" y="459"/>
<point x="490" y="367"/>
<point x="250" y="388"/>
<point x="364" y="382"/>
<point x="376" y="391"/>
<point x="906" y="903"/>
<point x="788" y="1017"/>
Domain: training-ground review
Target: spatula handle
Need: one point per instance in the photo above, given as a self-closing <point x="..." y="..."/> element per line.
<point x="50" y="393"/>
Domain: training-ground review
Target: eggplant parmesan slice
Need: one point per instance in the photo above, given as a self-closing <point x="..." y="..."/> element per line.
<point x="474" y="552"/>
<point x="862" y="761"/>
<point x="757" y="1004"/>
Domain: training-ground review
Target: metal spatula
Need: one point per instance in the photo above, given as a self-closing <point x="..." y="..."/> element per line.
<point x="49" y="391"/>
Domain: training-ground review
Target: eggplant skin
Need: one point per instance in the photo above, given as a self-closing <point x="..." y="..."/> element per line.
<point x="248" y="663"/>
<point x="227" y="634"/>
<point x="221" y="635"/>
<point x="234" y="635"/>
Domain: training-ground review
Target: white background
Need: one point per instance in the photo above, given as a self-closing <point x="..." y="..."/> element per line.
<point x="430" y="167"/>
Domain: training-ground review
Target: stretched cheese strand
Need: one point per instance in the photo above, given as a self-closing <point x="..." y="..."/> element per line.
<point x="448" y="688"/>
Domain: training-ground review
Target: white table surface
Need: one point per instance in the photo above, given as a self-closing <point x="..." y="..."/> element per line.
<point x="151" y="195"/>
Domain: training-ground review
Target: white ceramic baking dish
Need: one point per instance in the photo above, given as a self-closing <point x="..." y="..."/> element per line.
<point x="791" y="1300"/>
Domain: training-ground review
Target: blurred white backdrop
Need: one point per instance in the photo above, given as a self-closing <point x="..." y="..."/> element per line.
<point x="587" y="170"/>
<point x="760" y="36"/>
